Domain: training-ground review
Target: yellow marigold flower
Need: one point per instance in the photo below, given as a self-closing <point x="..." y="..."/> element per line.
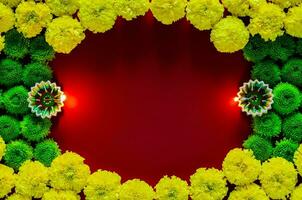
<point x="267" y="21"/>
<point x="64" y="34"/>
<point x="278" y="178"/>
<point x="240" y="167"/>
<point x="68" y="172"/>
<point x="229" y="35"/>
<point x="63" y="7"/>
<point x="7" y="180"/>
<point x="11" y="3"/>
<point x="204" y="14"/>
<point x="32" y="17"/>
<point x="60" y="195"/>
<point x="130" y="9"/>
<point x="7" y="18"/>
<point x="32" y="179"/>
<point x="293" y="21"/>
<point x="136" y="190"/>
<point x="298" y="159"/>
<point x="297" y="193"/>
<point x="103" y="185"/>
<point x="208" y="184"/>
<point x="19" y="197"/>
<point x="172" y="189"/>
<point x="247" y="192"/>
<point x="168" y="11"/>
<point x="97" y="15"/>
<point x="242" y="7"/>
<point x="286" y="3"/>
<point x="2" y="143"/>
<point x="1" y="48"/>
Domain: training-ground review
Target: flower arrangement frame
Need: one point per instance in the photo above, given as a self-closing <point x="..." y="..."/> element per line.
<point x="34" y="166"/>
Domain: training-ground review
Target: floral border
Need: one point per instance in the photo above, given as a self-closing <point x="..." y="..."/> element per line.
<point x="43" y="28"/>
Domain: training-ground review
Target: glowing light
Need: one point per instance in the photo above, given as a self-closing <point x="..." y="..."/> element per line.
<point x="71" y="101"/>
<point x="63" y="98"/>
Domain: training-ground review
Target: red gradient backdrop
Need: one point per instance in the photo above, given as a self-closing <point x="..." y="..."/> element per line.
<point x="147" y="100"/>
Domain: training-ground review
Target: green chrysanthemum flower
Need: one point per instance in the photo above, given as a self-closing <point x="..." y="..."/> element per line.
<point x="35" y="128"/>
<point x="16" y="45"/>
<point x="35" y="73"/>
<point x="262" y="148"/>
<point x="17" y="153"/>
<point x="299" y="47"/>
<point x="10" y="72"/>
<point x="256" y="49"/>
<point x="287" y="98"/>
<point x="268" y="125"/>
<point x="40" y="50"/>
<point x="15" y="100"/>
<point x="9" y="128"/>
<point x="285" y="149"/>
<point x="292" y="72"/>
<point x="292" y="127"/>
<point x="267" y="71"/>
<point x="46" y="152"/>
<point x="282" y="48"/>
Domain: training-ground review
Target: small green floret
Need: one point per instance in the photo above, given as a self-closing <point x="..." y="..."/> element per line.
<point x="268" y="125"/>
<point x="36" y="72"/>
<point x="267" y="71"/>
<point x="17" y="153"/>
<point x="46" y="152"/>
<point x="15" y="100"/>
<point x="287" y="98"/>
<point x="16" y="45"/>
<point x="292" y="127"/>
<point x="282" y="48"/>
<point x="256" y="49"/>
<point x="285" y="149"/>
<point x="9" y="128"/>
<point x="35" y="128"/>
<point x="261" y="147"/>
<point x="40" y="50"/>
<point x="10" y="72"/>
<point x="292" y="72"/>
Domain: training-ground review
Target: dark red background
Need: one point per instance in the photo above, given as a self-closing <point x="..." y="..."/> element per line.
<point x="147" y="100"/>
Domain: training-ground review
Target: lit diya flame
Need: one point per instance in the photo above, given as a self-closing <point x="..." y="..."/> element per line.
<point x="46" y="99"/>
<point x="255" y="98"/>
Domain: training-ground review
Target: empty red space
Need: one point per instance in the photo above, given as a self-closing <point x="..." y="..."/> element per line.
<point x="148" y="100"/>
